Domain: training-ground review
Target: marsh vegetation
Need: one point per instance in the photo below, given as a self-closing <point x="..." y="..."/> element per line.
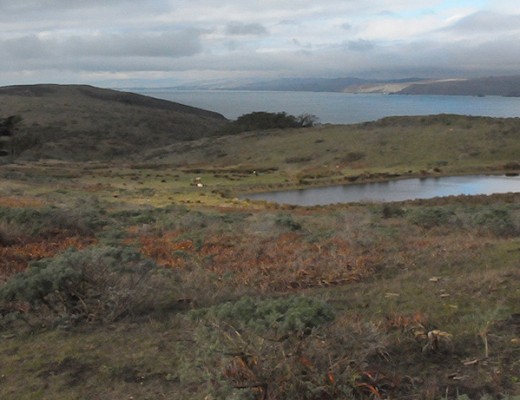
<point x="150" y="279"/>
<point x="403" y="300"/>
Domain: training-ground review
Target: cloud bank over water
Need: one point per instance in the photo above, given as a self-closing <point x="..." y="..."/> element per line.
<point x="177" y="41"/>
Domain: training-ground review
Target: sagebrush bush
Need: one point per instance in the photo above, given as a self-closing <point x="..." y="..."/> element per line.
<point x="496" y="221"/>
<point x="96" y="284"/>
<point x="295" y="314"/>
<point x="429" y="217"/>
<point x="287" y="221"/>
<point x="389" y="210"/>
<point x="18" y="216"/>
<point x="485" y="397"/>
<point x="8" y="233"/>
<point x="83" y="218"/>
<point x="246" y="359"/>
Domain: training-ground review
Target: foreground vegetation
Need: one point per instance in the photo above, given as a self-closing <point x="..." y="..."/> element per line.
<point x="134" y="281"/>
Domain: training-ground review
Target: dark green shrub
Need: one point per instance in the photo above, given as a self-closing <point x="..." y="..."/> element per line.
<point x="298" y="159"/>
<point x="8" y="125"/>
<point x="429" y="217"/>
<point x="86" y="216"/>
<point x="287" y="221"/>
<point x="265" y="120"/>
<point x="97" y="284"/>
<point x="296" y="314"/>
<point x="389" y="210"/>
<point x="498" y="222"/>
<point x="8" y="233"/>
<point x="353" y="156"/>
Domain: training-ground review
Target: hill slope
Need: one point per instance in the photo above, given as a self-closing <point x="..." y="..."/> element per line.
<point x="452" y="143"/>
<point x="77" y="122"/>
<point x="490" y="86"/>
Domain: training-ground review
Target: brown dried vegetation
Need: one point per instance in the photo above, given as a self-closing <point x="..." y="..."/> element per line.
<point x="16" y="257"/>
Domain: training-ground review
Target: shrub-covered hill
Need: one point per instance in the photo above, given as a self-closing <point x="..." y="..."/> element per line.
<point x="451" y="143"/>
<point x="77" y="122"/>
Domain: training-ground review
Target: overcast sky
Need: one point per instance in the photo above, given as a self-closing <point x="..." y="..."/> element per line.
<point x="174" y="41"/>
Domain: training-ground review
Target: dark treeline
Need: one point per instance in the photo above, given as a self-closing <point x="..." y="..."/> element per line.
<point x="265" y="120"/>
<point x="8" y="128"/>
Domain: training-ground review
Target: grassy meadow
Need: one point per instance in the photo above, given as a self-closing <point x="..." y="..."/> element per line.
<point x="127" y="280"/>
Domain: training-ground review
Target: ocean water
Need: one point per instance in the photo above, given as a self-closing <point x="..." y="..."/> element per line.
<point x="338" y="108"/>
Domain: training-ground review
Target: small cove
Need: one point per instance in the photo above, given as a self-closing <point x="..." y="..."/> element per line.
<point x="394" y="190"/>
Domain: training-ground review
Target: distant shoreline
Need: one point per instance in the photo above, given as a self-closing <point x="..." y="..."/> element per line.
<point x="506" y="86"/>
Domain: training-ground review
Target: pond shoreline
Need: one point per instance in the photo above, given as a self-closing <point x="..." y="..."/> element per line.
<point x="366" y="180"/>
<point x="374" y="177"/>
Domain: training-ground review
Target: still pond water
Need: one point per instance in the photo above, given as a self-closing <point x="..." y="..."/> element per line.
<point x="397" y="190"/>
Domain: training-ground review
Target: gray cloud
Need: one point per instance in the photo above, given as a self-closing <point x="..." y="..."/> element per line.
<point x="170" y="45"/>
<point x="361" y="58"/>
<point x="26" y="47"/>
<point x="173" y="44"/>
<point x="199" y="38"/>
<point x="49" y="15"/>
<point x="360" y="45"/>
<point x="240" y="29"/>
<point x="34" y="9"/>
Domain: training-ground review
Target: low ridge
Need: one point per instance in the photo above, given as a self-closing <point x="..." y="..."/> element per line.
<point x="79" y="122"/>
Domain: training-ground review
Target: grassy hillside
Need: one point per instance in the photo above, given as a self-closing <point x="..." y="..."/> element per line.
<point x="396" y="146"/>
<point x="83" y="123"/>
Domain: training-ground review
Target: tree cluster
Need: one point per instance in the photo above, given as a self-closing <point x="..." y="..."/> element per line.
<point x="8" y="128"/>
<point x="260" y="120"/>
<point x="8" y="125"/>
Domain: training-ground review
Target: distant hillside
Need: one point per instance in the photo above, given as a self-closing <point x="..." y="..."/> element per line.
<point x="490" y="86"/>
<point x="316" y="85"/>
<point x="76" y="122"/>
<point x="305" y="84"/>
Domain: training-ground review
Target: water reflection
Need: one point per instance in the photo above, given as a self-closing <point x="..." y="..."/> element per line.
<point x="399" y="190"/>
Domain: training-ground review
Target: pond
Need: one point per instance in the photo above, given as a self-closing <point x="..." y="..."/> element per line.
<point x="395" y="190"/>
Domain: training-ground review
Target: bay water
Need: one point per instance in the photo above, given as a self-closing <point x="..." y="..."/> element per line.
<point x="338" y="108"/>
